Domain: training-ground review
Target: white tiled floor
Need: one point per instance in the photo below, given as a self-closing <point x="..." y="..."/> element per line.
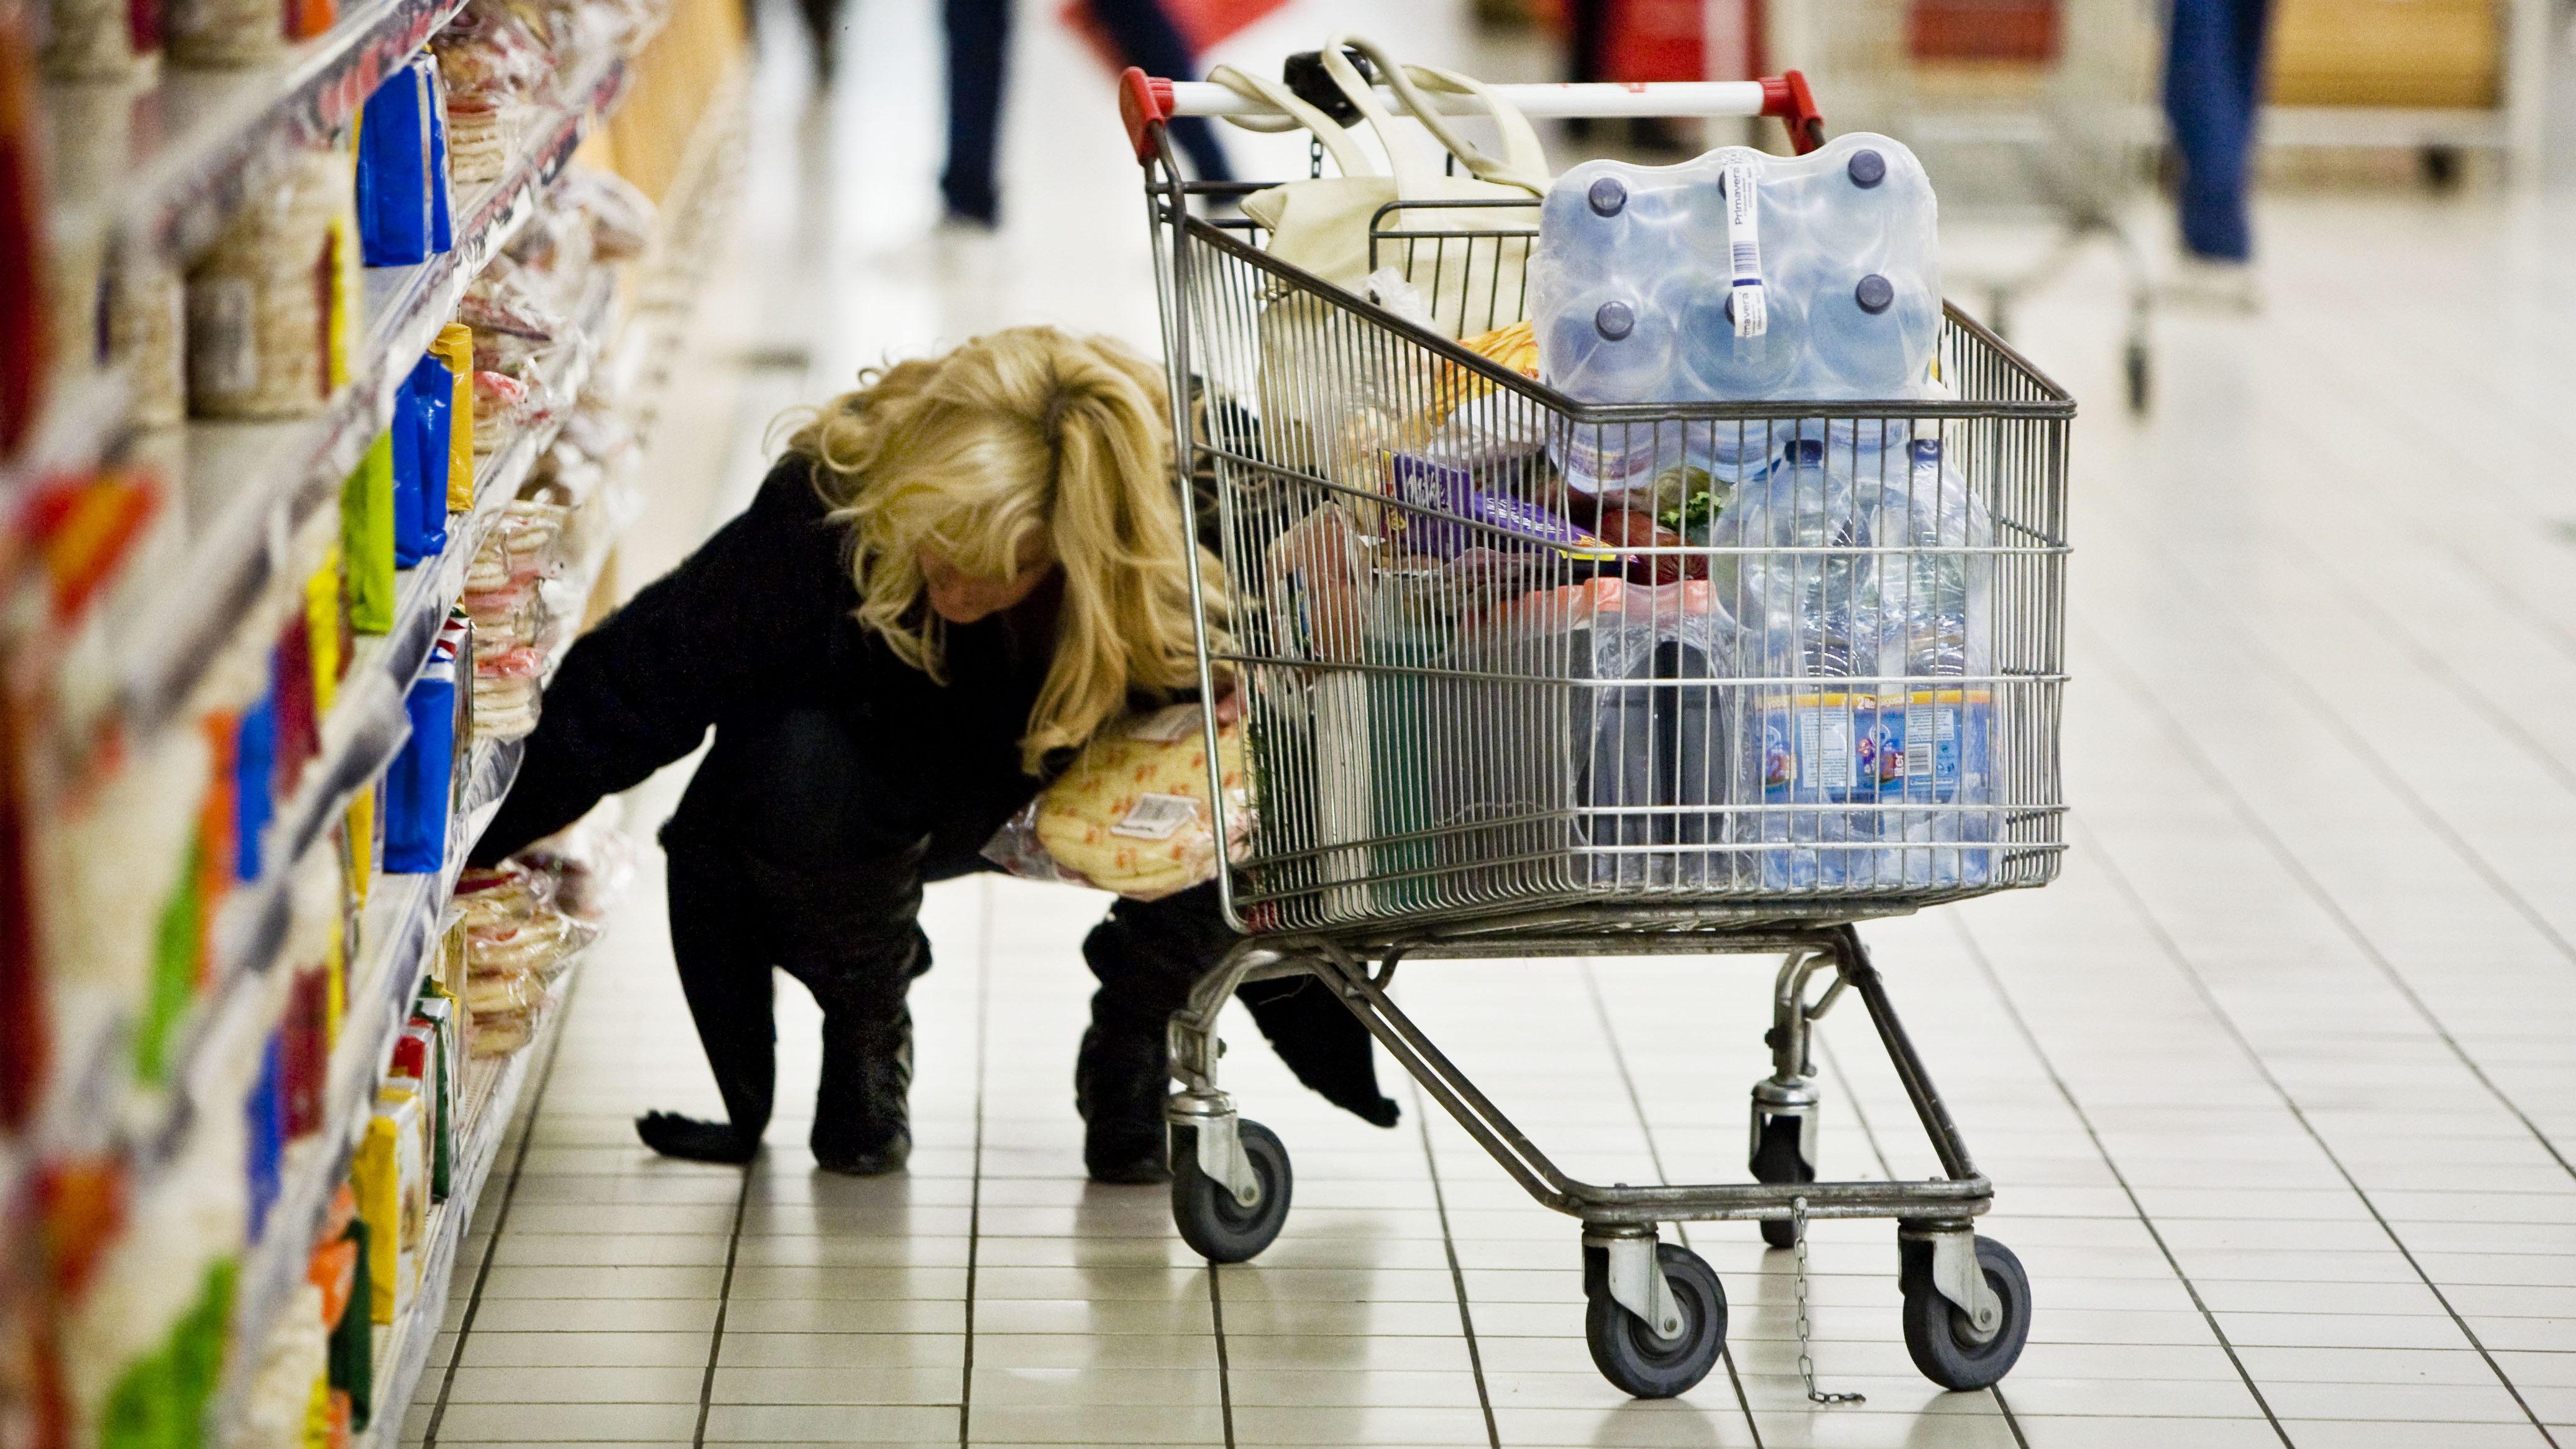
<point x="2278" y="1082"/>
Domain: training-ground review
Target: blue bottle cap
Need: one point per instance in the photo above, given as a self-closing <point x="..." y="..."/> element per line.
<point x="1927" y="450"/>
<point x="1866" y="169"/>
<point x="1806" y="452"/>
<point x="1614" y="321"/>
<point x="1607" y="196"/>
<point x="1874" y="294"/>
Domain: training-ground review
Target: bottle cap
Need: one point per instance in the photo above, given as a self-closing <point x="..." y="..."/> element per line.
<point x="1866" y="169"/>
<point x="1806" y="452"/>
<point x="1607" y="196"/>
<point x="1875" y="294"/>
<point x="1927" y="450"/>
<point x="1614" y="321"/>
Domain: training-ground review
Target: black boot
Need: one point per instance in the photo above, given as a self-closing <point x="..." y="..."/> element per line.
<point x="861" y="1126"/>
<point x="1119" y="1082"/>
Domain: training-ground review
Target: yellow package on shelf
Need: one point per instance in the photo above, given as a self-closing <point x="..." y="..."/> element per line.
<point x="393" y="1200"/>
<point x="455" y="347"/>
<point x="367" y="538"/>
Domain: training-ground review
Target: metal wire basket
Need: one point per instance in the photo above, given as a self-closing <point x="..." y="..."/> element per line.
<point x="1804" y="663"/>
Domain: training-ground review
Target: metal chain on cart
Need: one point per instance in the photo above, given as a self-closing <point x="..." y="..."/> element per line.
<point x="1806" y="1360"/>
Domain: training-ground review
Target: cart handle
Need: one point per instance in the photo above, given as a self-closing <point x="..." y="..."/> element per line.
<point x="1147" y="101"/>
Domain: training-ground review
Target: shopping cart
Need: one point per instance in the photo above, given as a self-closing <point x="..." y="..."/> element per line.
<point x="1464" y="744"/>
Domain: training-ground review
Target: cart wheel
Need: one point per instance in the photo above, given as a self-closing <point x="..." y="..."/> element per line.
<point x="2141" y="378"/>
<point x="1937" y="1333"/>
<point x="1776" y="1159"/>
<point x="1631" y="1355"/>
<point x="1211" y="1221"/>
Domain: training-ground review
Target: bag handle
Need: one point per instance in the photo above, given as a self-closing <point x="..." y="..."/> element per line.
<point x="1414" y="180"/>
<point x="1347" y="154"/>
<point x="1524" y="162"/>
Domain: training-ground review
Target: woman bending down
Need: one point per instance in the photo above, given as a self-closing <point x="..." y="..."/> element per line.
<point x="952" y="578"/>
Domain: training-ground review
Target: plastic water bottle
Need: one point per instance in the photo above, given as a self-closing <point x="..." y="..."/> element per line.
<point x="1803" y="619"/>
<point x="1871" y="332"/>
<point x="1935" y="724"/>
<point x="1718" y="364"/>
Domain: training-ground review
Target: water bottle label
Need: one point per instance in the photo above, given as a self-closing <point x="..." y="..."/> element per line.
<point x="1744" y="247"/>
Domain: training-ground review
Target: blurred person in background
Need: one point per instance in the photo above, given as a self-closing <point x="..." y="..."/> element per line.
<point x="2213" y="82"/>
<point x="979" y="38"/>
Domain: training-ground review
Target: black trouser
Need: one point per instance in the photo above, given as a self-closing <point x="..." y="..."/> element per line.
<point x="799" y="848"/>
<point x="979" y="37"/>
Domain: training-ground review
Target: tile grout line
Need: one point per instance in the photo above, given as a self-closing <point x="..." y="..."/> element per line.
<point x="2173" y="952"/>
<point x="2298" y="871"/>
<point x="975" y="1193"/>
<point x="500" y="1221"/>
<point x="724" y="1302"/>
<point x="1457" y="1275"/>
<point x="2084" y="1119"/>
<point x="1655" y="1156"/>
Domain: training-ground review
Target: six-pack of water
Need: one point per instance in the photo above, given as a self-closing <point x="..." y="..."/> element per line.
<point x="1736" y="277"/>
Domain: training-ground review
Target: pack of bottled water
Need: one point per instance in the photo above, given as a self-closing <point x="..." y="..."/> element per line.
<point x="1736" y="277"/>
<point x="1866" y="720"/>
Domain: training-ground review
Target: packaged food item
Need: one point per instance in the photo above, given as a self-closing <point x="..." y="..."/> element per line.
<point x="146" y="323"/>
<point x="620" y="216"/>
<point x="506" y="695"/>
<point x="391" y="1182"/>
<point x="419" y="785"/>
<point x="306" y="19"/>
<point x="455" y="347"/>
<point x="498" y="403"/>
<point x="1448" y="512"/>
<point x="25" y="351"/>
<point x="1132" y="815"/>
<point x="367" y="538"/>
<point x="224" y="33"/>
<point x="400" y="185"/>
<point x="420" y="460"/>
<point x="437" y="1016"/>
<point x="271" y="306"/>
<point x="492" y="65"/>
<point x="353" y="1358"/>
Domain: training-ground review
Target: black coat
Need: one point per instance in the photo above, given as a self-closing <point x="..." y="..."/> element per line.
<point x="757" y="624"/>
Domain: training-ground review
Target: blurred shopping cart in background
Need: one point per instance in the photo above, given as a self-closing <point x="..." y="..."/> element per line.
<point x="2024" y="111"/>
<point x="1829" y="693"/>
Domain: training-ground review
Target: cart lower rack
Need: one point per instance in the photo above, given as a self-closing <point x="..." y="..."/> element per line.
<point x="1805" y="674"/>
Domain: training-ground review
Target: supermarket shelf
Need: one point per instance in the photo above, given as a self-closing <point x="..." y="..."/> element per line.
<point x="398" y="942"/>
<point x="487" y="1104"/>
<point x="259" y="482"/>
<point x="164" y="161"/>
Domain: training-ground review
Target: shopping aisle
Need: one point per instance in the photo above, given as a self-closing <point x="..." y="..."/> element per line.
<point x="2278" y="1082"/>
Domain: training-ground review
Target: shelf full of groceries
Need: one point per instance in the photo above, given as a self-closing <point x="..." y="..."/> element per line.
<point x="310" y="459"/>
<point x="1726" y="573"/>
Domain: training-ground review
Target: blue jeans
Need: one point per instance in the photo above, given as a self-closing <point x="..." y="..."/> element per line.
<point x="2213" y="81"/>
<point x="979" y="36"/>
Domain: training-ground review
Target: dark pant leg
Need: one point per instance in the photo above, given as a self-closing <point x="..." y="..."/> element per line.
<point x="724" y="963"/>
<point x="1147" y="39"/>
<point x="1148" y="954"/>
<point x="979" y="36"/>
<point x="2213" y="76"/>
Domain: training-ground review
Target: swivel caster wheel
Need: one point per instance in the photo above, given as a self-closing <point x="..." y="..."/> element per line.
<point x="1222" y="1227"/>
<point x="1944" y="1343"/>
<point x="1628" y="1350"/>
<point x="1776" y="1159"/>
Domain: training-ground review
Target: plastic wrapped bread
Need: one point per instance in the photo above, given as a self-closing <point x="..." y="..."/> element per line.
<point x="270" y="307"/>
<point x="1132" y="815"/>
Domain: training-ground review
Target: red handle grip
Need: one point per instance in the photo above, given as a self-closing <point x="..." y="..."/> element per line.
<point x="1787" y="97"/>
<point x="1144" y="102"/>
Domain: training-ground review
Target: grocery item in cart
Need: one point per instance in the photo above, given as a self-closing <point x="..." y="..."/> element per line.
<point x="1132" y="814"/>
<point x="1651" y="285"/>
<point x="1591" y="729"/>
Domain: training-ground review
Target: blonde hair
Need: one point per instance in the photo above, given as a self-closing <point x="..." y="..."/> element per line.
<point x="1032" y="431"/>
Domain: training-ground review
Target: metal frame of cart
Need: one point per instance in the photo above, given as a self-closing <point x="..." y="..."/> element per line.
<point x="1271" y="370"/>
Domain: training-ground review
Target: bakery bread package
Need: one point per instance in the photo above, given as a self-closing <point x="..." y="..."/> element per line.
<point x="1131" y="815"/>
